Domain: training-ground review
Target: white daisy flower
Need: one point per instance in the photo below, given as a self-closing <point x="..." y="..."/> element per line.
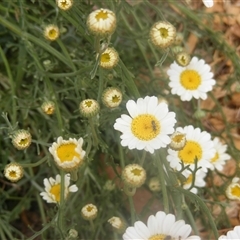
<point x="102" y="22"/>
<point x="198" y="180"/>
<point x="89" y="212"/>
<point x="51" y="32"/>
<point x="194" y="80"/>
<point x="109" y="58"/>
<point x="68" y="154"/>
<point x="208" y="3"/>
<point x="233" y="189"/>
<point x="64" y="4"/>
<point x="148" y="125"/>
<point x="220" y="158"/>
<point x="13" y="172"/>
<point x="160" y="226"/>
<point x="198" y="146"/>
<point x="112" y="97"/>
<point x="53" y="188"/>
<point x="231" y="235"/>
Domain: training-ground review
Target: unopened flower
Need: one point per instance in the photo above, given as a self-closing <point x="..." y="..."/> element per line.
<point x="89" y="107"/>
<point x="194" y="182"/>
<point x="148" y="125"/>
<point x="199" y="114"/>
<point x="118" y="224"/>
<point x="161" y="226"/>
<point x="101" y="22"/>
<point x="134" y="175"/>
<point x="199" y="147"/>
<point x="48" y="107"/>
<point x="178" y="141"/>
<point x="109" y="185"/>
<point x="89" y="212"/>
<point x="68" y="154"/>
<point x="220" y="158"/>
<point x="231" y="235"/>
<point x="64" y="4"/>
<point x="178" y="39"/>
<point x="233" y="189"/>
<point x="183" y="59"/>
<point x="208" y="3"/>
<point x="13" y="172"/>
<point x="162" y="34"/>
<point x="72" y="234"/>
<point x="21" y="139"/>
<point x="109" y="58"/>
<point x="154" y="184"/>
<point x="112" y="97"/>
<point x="51" y="32"/>
<point x="192" y="81"/>
<point x="52" y="192"/>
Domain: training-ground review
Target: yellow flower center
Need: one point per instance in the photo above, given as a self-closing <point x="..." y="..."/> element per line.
<point x="23" y="141"/>
<point x="105" y="57"/>
<point x="178" y="138"/>
<point x="56" y="191"/>
<point x="190" y="152"/>
<point x="136" y="172"/>
<point x="235" y="191"/>
<point x="163" y="32"/>
<point x="49" y="110"/>
<point x="64" y="4"/>
<point x="88" y="103"/>
<point x="89" y="208"/>
<point x="145" y="127"/>
<point x="115" y="99"/>
<point x="52" y="33"/>
<point x="13" y="174"/>
<point x="190" y="79"/>
<point x="160" y="237"/>
<point x="66" y="152"/>
<point x="215" y="158"/>
<point x="101" y="15"/>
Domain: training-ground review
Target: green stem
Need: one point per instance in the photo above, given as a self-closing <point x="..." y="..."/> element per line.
<point x="61" y="205"/>
<point x="31" y="165"/>
<point x="132" y="210"/>
<point x="93" y="131"/>
<point x="161" y="174"/>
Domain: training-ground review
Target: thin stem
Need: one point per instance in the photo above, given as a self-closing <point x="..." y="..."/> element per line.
<point x="132" y="210"/>
<point x="31" y="165"/>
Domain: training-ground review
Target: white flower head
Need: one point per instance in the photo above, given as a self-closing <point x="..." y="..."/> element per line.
<point x="64" y="4"/>
<point x="208" y="3"/>
<point x="89" y="108"/>
<point x="148" y="125"/>
<point x="199" y="146"/>
<point x="68" y="154"/>
<point x="162" y="34"/>
<point x="160" y="226"/>
<point x="13" y="172"/>
<point x="198" y="180"/>
<point x="231" y="235"/>
<point x="112" y="97"/>
<point x="117" y="224"/>
<point x="192" y="81"/>
<point x="233" y="189"/>
<point x="51" y="32"/>
<point x="220" y="158"/>
<point x="102" y="22"/>
<point x="52" y="192"/>
<point x="21" y="139"/>
<point x="89" y="212"/>
<point x="109" y="58"/>
<point x="48" y="107"/>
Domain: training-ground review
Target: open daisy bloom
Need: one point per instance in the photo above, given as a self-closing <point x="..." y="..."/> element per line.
<point x="148" y="125"/>
<point x="68" y="154"/>
<point x="233" y="189"/>
<point x="51" y="32"/>
<point x="199" y="146"/>
<point x="192" y="81"/>
<point x="109" y="58"/>
<point x="208" y="3"/>
<point x="53" y="188"/>
<point x="159" y="227"/>
<point x="101" y="22"/>
<point x="220" y="158"/>
<point x="231" y="235"/>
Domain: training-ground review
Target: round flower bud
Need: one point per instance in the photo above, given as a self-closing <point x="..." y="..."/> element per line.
<point x="178" y="141"/>
<point x="183" y="59"/>
<point x="154" y="184"/>
<point x="112" y="97"/>
<point x="64" y="4"/>
<point x="177" y="49"/>
<point x="162" y="34"/>
<point x="199" y="114"/>
<point x="178" y="39"/>
<point x="109" y="58"/>
<point x="48" y="107"/>
<point x="51" y="32"/>
<point x="21" y="139"/>
<point x="89" y="212"/>
<point x="134" y="175"/>
<point x="109" y="185"/>
<point x="73" y="234"/>
<point x="117" y="224"/>
<point x="101" y="22"/>
<point x="13" y="172"/>
<point x="89" y="108"/>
